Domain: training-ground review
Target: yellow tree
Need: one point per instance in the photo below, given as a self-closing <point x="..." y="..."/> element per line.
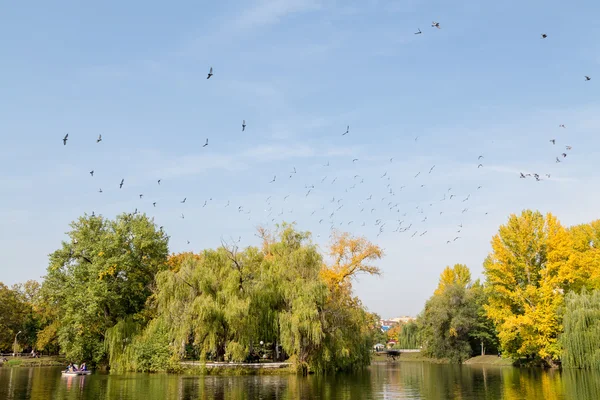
<point x="457" y="275"/>
<point x="582" y="269"/>
<point x="394" y="332"/>
<point x="523" y="277"/>
<point x="351" y="256"/>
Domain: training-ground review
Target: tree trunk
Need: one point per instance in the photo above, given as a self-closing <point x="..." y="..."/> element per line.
<point x="482" y="349"/>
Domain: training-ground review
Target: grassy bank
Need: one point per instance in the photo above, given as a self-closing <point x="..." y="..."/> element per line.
<point x="34" y="362"/>
<point x="490" y="360"/>
<point x="237" y="369"/>
<point x="405" y="357"/>
<point x="417" y="357"/>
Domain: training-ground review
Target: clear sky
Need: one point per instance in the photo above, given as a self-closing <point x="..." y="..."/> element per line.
<point x="299" y="72"/>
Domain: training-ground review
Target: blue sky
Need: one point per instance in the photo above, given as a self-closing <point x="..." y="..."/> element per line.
<point x="298" y="72"/>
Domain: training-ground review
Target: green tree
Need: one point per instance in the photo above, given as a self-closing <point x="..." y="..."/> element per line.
<point x="446" y="323"/>
<point x="12" y="317"/>
<point x="454" y="323"/>
<point x="103" y="274"/>
<point x="483" y="333"/>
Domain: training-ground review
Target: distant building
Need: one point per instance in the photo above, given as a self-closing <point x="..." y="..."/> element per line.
<point x="403" y="319"/>
<point x="386" y="324"/>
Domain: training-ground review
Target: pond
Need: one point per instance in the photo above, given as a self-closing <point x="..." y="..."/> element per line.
<point x="401" y="380"/>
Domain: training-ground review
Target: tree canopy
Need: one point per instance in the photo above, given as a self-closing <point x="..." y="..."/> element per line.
<point x="104" y="273"/>
<point x="220" y="303"/>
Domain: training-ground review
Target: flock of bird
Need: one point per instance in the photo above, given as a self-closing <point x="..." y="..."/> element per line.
<point x="380" y="209"/>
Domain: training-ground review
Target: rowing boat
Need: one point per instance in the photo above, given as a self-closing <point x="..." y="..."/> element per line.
<point x="73" y="373"/>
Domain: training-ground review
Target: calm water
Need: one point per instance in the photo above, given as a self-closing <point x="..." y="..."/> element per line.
<point x="406" y="380"/>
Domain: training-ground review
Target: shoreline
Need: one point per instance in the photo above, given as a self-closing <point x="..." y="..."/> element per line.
<point x="44" y="361"/>
<point x="489" y="360"/>
<point x="267" y="368"/>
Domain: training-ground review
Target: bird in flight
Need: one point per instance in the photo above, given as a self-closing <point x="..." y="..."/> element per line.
<point x="480" y="157"/>
<point x="100" y="191"/>
<point x="121" y="184"/>
<point x="418" y="173"/>
<point x="347" y="130"/>
<point x="419" y="32"/>
<point x="154" y="204"/>
<point x="564" y="155"/>
<point x="522" y="175"/>
<point x="243" y="125"/>
<point x="205" y="202"/>
<point x="274" y="177"/>
<point x="553" y="141"/>
<point x="355" y="160"/>
<point x="182" y="216"/>
<point x="210" y="73"/>
<point x="544" y="36"/>
<point x="183" y="201"/>
<point x="141" y="195"/>
<point x="557" y="159"/>
<point x="587" y="78"/>
<point x="562" y="126"/>
<point x="92" y="172"/>
<point x="431" y="169"/>
<point x="159" y="181"/>
<point x="206" y="144"/>
<point x="480" y="165"/>
<point x="568" y="147"/>
<point x="435" y="25"/>
<point x="99" y="139"/>
<point x="65" y="139"/>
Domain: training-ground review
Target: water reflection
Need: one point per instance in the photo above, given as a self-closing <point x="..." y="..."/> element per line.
<point x="405" y="380"/>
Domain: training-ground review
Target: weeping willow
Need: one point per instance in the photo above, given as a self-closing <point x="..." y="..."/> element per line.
<point x="581" y="330"/>
<point x="131" y="348"/>
<point x="408" y="338"/>
<point x="117" y="340"/>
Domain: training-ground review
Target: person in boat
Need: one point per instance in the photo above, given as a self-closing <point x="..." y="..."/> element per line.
<point x="69" y="368"/>
<point x="83" y="367"/>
